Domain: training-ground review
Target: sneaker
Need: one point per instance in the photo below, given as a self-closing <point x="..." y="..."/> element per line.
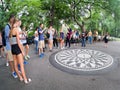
<point x="21" y="79"/>
<point x="27" y="81"/>
<point x="62" y="47"/>
<point x="28" y="56"/>
<point x="7" y="64"/>
<point x="14" y="74"/>
<point x="25" y="62"/>
<point x="41" y="56"/>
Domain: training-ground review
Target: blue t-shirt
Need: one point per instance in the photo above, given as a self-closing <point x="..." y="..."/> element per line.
<point x="40" y="34"/>
<point x="7" y="31"/>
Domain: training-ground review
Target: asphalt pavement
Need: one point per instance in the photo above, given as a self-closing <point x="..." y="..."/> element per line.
<point x="47" y="77"/>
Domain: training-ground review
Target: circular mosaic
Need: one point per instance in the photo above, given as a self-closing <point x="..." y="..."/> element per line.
<point x="83" y="59"/>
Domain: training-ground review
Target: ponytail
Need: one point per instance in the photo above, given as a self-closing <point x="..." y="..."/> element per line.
<point x="12" y="27"/>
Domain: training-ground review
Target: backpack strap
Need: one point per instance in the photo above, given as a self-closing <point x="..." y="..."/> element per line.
<point x="9" y="26"/>
<point x="38" y="31"/>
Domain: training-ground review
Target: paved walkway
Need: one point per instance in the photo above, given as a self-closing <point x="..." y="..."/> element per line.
<point x="46" y="77"/>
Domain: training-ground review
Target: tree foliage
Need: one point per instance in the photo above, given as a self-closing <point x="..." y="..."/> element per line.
<point x="101" y="15"/>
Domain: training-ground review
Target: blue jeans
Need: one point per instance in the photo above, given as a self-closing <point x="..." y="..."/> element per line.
<point x="36" y="45"/>
<point x="83" y="42"/>
<point x="90" y="39"/>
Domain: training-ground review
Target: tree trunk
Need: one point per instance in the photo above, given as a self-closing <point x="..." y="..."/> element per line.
<point x="81" y="25"/>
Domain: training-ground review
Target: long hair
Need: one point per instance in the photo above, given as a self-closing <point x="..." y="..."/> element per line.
<point x="12" y="27"/>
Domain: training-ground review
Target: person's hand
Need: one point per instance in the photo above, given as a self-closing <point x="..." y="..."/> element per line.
<point x="23" y="53"/>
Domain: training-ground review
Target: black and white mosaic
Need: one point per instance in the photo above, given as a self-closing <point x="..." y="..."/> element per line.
<point x="83" y="59"/>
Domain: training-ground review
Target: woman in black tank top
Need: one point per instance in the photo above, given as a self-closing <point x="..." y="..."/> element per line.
<point x="17" y="52"/>
<point x="14" y="47"/>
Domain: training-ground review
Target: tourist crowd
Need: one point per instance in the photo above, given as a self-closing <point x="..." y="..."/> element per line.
<point x="15" y="48"/>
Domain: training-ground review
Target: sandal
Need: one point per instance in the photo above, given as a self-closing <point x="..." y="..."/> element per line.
<point x="21" y="79"/>
<point x="27" y="81"/>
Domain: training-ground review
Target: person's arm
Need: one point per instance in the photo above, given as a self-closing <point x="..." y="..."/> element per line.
<point x="0" y="39"/>
<point x="22" y="36"/>
<point x="26" y="33"/>
<point x="48" y="31"/>
<point x="18" y="41"/>
<point x="41" y="31"/>
<point x="71" y="35"/>
<point x="60" y="35"/>
<point x="20" y="32"/>
<point x="53" y="32"/>
<point x="36" y="34"/>
<point x="7" y="31"/>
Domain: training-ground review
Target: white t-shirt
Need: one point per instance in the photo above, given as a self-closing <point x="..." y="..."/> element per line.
<point x="22" y="36"/>
<point x="23" y="40"/>
<point x="74" y="35"/>
<point x="36" y="37"/>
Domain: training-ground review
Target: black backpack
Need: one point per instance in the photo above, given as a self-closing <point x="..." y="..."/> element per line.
<point x="3" y="36"/>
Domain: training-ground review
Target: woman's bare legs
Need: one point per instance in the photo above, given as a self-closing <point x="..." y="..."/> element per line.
<point x="27" y="50"/>
<point x="61" y="44"/>
<point x="16" y="66"/>
<point x="50" y="44"/>
<point x="20" y="61"/>
<point x="2" y="52"/>
<point x="22" y="75"/>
